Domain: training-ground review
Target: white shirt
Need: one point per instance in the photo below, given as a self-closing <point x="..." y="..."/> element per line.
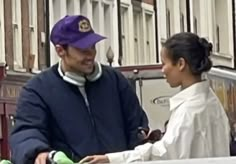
<point x="198" y="128"/>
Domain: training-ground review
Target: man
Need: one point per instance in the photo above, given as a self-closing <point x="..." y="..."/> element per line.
<point x="78" y="106"/>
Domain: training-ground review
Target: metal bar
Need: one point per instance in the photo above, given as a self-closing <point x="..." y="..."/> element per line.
<point x="234" y="31"/>
<point x="119" y="33"/>
<point x="47" y="31"/>
<point x="188" y="16"/>
<point x="156" y="28"/>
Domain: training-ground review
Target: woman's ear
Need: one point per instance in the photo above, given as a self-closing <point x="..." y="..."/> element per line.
<point x="181" y="64"/>
<point x="60" y="50"/>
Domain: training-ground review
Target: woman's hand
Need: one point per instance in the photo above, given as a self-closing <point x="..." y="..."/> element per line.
<point x="95" y="159"/>
<point x="41" y="158"/>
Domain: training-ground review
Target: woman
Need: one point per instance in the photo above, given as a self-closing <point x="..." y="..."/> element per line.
<point x="198" y="126"/>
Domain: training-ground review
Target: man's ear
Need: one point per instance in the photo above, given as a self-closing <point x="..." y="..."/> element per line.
<point x="182" y="64"/>
<point x="60" y="51"/>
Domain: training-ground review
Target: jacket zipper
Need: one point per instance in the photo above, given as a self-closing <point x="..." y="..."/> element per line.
<point x="84" y="95"/>
<point x="83" y="92"/>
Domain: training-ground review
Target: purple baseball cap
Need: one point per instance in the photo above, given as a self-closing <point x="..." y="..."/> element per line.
<point x="75" y="31"/>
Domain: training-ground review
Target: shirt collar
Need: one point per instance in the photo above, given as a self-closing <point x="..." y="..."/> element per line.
<point x="187" y="93"/>
<point x="59" y="69"/>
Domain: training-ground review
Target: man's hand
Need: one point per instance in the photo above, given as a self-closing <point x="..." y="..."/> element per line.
<point x="41" y="158"/>
<point x="95" y="159"/>
<point x="149" y="136"/>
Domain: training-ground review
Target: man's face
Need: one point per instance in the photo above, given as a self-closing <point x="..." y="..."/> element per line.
<point x="80" y="61"/>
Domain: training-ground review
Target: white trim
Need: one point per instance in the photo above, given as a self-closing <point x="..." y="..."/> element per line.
<point x="85" y="8"/>
<point x="152" y="39"/>
<point x="171" y="8"/>
<point x="230" y="31"/>
<point x="95" y="15"/>
<point x="106" y="24"/>
<point x="224" y="20"/>
<point x="108" y="2"/>
<point x="211" y="21"/>
<point x="17" y="42"/>
<point x="148" y="10"/>
<point x="76" y="8"/>
<point x="203" y="19"/>
<point x="183" y="12"/>
<point x="51" y="20"/>
<point x="125" y="3"/>
<point x="108" y="28"/>
<point x="62" y="7"/>
<point x="115" y="36"/>
<point x="222" y="59"/>
<point x="101" y="49"/>
<point x="34" y="32"/>
<point x="129" y="58"/>
<point x="161" y="24"/>
<point x="139" y="55"/>
<point x="127" y="26"/>
<point x="98" y="25"/>
<point x="191" y="16"/>
<point x="147" y="7"/>
<point x="176" y="16"/>
<point x="209" y="16"/>
<point x="147" y="51"/>
<point x="144" y="23"/>
<point x="70" y="7"/>
<point x="2" y="34"/>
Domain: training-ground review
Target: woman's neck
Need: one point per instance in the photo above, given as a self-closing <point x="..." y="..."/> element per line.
<point x="190" y="81"/>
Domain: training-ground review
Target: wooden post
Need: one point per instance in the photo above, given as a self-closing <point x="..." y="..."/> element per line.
<point x="8" y="33"/>
<point x="25" y="33"/>
<point x="41" y="22"/>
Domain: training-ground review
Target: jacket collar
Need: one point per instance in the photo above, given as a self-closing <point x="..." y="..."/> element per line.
<point x="188" y="93"/>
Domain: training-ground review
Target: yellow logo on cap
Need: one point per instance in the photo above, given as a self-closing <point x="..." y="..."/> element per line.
<point x="84" y="26"/>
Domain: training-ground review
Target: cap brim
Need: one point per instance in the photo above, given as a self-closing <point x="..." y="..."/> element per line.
<point x="88" y="41"/>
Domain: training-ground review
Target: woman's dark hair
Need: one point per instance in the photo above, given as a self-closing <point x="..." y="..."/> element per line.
<point x="193" y="49"/>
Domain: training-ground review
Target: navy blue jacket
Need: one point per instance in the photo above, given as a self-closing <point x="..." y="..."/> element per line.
<point x="52" y="115"/>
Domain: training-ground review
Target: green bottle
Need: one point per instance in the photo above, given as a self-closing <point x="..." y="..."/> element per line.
<point x="5" y="162"/>
<point x="61" y="158"/>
